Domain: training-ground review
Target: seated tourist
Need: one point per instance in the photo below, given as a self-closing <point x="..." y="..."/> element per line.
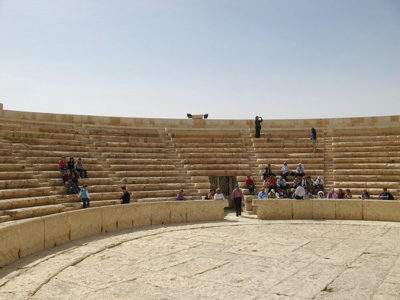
<point x="310" y="183"/>
<point x="211" y="194"/>
<point x="263" y="194"/>
<point x="267" y="172"/>
<point x="318" y="184"/>
<point x="67" y="182"/>
<point x="285" y="171"/>
<point x="385" y="195"/>
<point x="308" y="194"/>
<point x="279" y="193"/>
<point x="80" y="168"/>
<point x="304" y="182"/>
<point x="332" y="195"/>
<point x="299" y="193"/>
<point x="272" y="182"/>
<point x="126" y="197"/>
<point x="348" y="194"/>
<point x="218" y="195"/>
<point x="272" y="194"/>
<point x="281" y="183"/>
<point x="364" y="194"/>
<point x="296" y="183"/>
<point x="300" y="172"/>
<point x="340" y="194"/>
<point x="321" y="195"/>
<point x="75" y="180"/>
<point x="180" y="196"/>
<point x="250" y="184"/>
<point x="288" y="194"/>
<point x="71" y="164"/>
<point x="62" y="165"/>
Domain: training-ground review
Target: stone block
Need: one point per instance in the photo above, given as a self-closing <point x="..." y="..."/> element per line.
<point x="303" y="209"/>
<point x="349" y="209"/>
<point x="142" y="214"/>
<point x="205" y="210"/>
<point x="274" y="209"/>
<point x="10" y="243"/>
<point x="324" y="209"/>
<point x="178" y="212"/>
<point x="161" y="213"/>
<point x="110" y="218"/>
<point x="381" y="210"/>
<point x="31" y="236"/>
<point x="57" y="230"/>
<point x="85" y="222"/>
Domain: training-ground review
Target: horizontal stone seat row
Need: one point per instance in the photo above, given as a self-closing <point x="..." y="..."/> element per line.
<point x="386" y="160"/>
<point x="161" y="173"/>
<point x="15" y="184"/>
<point x="242" y="179"/>
<point x="159" y="199"/>
<point x="37" y="135"/>
<point x="16" y="175"/>
<point x="268" y="133"/>
<point x="155" y="167"/>
<point x="208" y="145"/>
<point x="277" y="163"/>
<point x="35" y="211"/>
<point x="54" y="167"/>
<point x="57" y="174"/>
<point x="372" y="167"/>
<point x="373" y="178"/>
<point x="135" y="155"/>
<point x="176" y="187"/>
<point x="213" y="160"/>
<point x="275" y="143"/>
<point x="88" y="181"/>
<point x="94" y="196"/>
<point x="11" y="167"/>
<point x="208" y="140"/>
<point x="211" y="150"/>
<point x="365" y="154"/>
<point x="366" y="148"/>
<point x="188" y="155"/>
<point x="366" y="139"/>
<point x="363" y="131"/>
<point x="123" y="131"/>
<point x="8" y="159"/>
<point x="27" y="202"/>
<point x="129" y="150"/>
<point x="57" y="154"/>
<point x="217" y="172"/>
<point x="27" y="126"/>
<point x="357" y="191"/>
<point x="23" y="193"/>
<point x="61" y="190"/>
<point x="292" y="168"/>
<point x="308" y="150"/>
<point x="285" y="156"/>
<point x="138" y="161"/>
<point x="153" y="194"/>
<point x="361" y="183"/>
<point x="192" y="133"/>
<point x="151" y="180"/>
<point x="364" y="144"/>
<point x="245" y="167"/>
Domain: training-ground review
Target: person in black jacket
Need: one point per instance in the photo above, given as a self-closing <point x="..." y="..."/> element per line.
<point x="126" y="197"/>
<point x="257" y="123"/>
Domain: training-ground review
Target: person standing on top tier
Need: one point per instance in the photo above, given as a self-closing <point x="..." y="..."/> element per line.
<point x="314" y="139"/>
<point x="258" y="122"/>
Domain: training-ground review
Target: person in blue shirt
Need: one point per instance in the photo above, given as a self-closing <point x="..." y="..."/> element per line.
<point x="314" y="139"/>
<point x="262" y="194"/>
<point x="85" y="196"/>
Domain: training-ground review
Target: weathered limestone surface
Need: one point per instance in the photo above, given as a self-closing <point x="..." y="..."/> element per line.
<point x="27" y="236"/>
<point x="239" y="258"/>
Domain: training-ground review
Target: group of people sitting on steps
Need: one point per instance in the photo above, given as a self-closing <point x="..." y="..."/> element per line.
<point x="69" y="171"/>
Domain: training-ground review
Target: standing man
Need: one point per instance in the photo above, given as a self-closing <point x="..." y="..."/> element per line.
<point x="314" y="139"/>
<point x="257" y="122"/>
<point x="237" y="197"/>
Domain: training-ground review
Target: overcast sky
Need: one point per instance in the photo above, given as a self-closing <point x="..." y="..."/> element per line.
<point x="231" y="59"/>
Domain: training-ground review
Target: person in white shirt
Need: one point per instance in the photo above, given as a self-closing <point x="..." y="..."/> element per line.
<point x="218" y="195"/>
<point x="281" y="183"/>
<point x="285" y="170"/>
<point x="319" y="184"/>
<point x="299" y="193"/>
<point x="300" y="171"/>
<point x="308" y="194"/>
<point x="262" y="194"/>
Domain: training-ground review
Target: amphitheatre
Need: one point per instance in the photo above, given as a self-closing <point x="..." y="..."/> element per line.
<point x="159" y="248"/>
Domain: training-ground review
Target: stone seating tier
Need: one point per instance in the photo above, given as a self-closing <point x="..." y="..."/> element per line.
<point x="151" y="180"/>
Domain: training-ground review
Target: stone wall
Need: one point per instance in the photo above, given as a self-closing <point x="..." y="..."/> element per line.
<point x="21" y="238"/>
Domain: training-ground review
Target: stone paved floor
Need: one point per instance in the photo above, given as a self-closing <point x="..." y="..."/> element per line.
<point x="239" y="258"/>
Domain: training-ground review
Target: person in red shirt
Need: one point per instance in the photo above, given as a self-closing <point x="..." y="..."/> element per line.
<point x="62" y="165"/>
<point x="272" y="183"/>
<point x="250" y="184"/>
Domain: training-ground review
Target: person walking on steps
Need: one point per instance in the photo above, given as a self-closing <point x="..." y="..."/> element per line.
<point x="314" y="139"/>
<point x="237" y="197"/>
<point x="258" y="122"/>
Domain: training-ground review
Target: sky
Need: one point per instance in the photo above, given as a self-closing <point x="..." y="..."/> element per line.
<point x="279" y="59"/>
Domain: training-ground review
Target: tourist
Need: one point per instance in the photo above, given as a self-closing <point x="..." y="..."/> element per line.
<point x="285" y="170"/>
<point x="250" y="184"/>
<point x="75" y="181"/>
<point x="300" y="172"/>
<point x="308" y="194"/>
<point x="279" y="193"/>
<point x="71" y="165"/>
<point x="271" y="183"/>
<point x="321" y="195"/>
<point x="318" y="184"/>
<point x="267" y="173"/>
<point x="281" y="183"/>
<point x="304" y="182"/>
<point x="364" y="195"/>
<point x="211" y="194"/>
<point x="237" y="197"/>
<point x="258" y="122"/>
<point x="85" y="196"/>
<point x="340" y="194"/>
<point x="80" y="168"/>
<point x="262" y="194"/>
<point x="180" y="196"/>
<point x="296" y="182"/>
<point x="126" y="197"/>
<point x="67" y="182"/>
<point x="385" y="195"/>
<point x="332" y="194"/>
<point x="218" y="195"/>
<point x="62" y="165"/>
<point x="299" y="193"/>
<point x="288" y="194"/>
<point x="314" y="139"/>
<point x="348" y="194"/>
<point x="272" y="194"/>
